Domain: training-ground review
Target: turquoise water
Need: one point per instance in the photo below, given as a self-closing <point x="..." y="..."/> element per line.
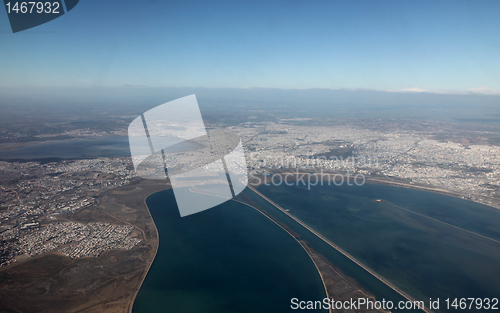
<point x="230" y="258"/>
<point x="425" y="258"/>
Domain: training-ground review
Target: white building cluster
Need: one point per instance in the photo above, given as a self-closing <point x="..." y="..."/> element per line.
<point x="70" y="238"/>
<point x="471" y="170"/>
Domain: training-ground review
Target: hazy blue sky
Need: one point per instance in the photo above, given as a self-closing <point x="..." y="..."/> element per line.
<point x="382" y="45"/>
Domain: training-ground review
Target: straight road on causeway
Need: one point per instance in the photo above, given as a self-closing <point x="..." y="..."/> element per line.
<point x="366" y="268"/>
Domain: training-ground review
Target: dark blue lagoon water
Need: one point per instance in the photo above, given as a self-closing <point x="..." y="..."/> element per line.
<point x="83" y="148"/>
<point x="230" y="258"/>
<point x="420" y="255"/>
<point x="69" y="149"/>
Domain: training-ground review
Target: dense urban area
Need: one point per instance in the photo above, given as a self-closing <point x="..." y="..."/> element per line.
<point x="38" y="194"/>
<point x="35" y="195"/>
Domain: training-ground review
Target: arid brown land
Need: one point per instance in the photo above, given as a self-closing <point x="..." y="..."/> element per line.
<point x="53" y="282"/>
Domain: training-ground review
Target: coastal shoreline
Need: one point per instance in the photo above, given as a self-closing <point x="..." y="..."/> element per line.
<point x="369" y="180"/>
<point x="381" y="180"/>
<point x="132" y="301"/>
